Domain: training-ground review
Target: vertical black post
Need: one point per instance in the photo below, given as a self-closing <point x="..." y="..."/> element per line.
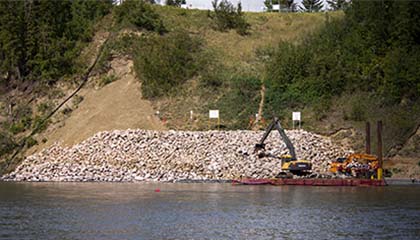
<point x="380" y="143"/>
<point x="367" y="137"/>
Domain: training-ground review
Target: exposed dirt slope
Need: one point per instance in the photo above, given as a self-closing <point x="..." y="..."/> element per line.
<point x="118" y="105"/>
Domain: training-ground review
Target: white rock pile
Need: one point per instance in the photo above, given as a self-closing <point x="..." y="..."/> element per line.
<point x="141" y="155"/>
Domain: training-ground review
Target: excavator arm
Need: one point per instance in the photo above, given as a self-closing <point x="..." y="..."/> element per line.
<point x="275" y="124"/>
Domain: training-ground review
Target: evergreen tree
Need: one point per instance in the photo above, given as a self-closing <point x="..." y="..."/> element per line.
<point x="176" y="3"/>
<point x="338" y="4"/>
<point x="311" y="5"/>
<point x="40" y="39"/>
<point x="226" y="17"/>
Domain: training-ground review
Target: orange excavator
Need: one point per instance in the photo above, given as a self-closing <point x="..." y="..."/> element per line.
<point x="358" y="164"/>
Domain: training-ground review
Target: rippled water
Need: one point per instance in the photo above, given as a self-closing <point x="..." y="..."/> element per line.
<point x="206" y="211"/>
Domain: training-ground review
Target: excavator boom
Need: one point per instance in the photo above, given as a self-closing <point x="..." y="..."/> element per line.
<point x="289" y="163"/>
<point x="275" y="124"/>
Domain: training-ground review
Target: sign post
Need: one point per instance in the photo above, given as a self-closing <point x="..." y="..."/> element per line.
<point x="214" y="114"/>
<point x="296" y="117"/>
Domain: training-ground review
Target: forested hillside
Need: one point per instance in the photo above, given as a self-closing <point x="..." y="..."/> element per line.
<point x="339" y="68"/>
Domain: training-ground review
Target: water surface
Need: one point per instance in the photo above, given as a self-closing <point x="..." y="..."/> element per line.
<point x="206" y="211"/>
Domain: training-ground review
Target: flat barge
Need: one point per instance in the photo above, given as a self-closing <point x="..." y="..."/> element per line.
<point x="312" y="182"/>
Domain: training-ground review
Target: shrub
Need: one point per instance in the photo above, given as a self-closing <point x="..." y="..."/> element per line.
<point x="31" y="142"/>
<point x="213" y="75"/>
<point x="176" y="3"/>
<point x="244" y="89"/>
<point x="357" y="112"/>
<point x="44" y="108"/>
<point x="139" y="14"/>
<point x="107" y="80"/>
<point x="39" y="125"/>
<point x="165" y="62"/>
<point x="7" y="143"/>
<point x="77" y="99"/>
<point x="227" y="17"/>
<point x="67" y="111"/>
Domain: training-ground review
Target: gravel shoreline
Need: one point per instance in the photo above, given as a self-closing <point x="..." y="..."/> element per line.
<point x="172" y="156"/>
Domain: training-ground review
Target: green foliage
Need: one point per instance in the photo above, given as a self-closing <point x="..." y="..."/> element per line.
<point x="40" y="39"/>
<point x="176" y="3"/>
<point x="31" y="142"/>
<point x="242" y="89"/>
<point x="321" y="108"/>
<point x="338" y="4"/>
<point x="227" y="17"/>
<point x="140" y="14"/>
<point x="357" y="112"/>
<point x="366" y="51"/>
<point x="107" y="80"/>
<point x="39" y="124"/>
<point x="213" y="74"/>
<point x="312" y="5"/>
<point x="165" y="62"/>
<point x="22" y="119"/>
<point x="17" y="127"/>
<point x="212" y="80"/>
<point x="77" y="99"/>
<point x="7" y="144"/>
<point x="44" y="108"/>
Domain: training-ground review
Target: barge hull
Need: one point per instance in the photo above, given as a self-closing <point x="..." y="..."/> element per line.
<point x="312" y="182"/>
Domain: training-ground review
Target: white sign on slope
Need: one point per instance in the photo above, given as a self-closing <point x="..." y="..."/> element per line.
<point x="296" y="116"/>
<point x="213" y="113"/>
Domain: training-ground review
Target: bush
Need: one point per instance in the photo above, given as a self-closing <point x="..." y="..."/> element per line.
<point x="77" y="99"/>
<point x="139" y="14"/>
<point x="243" y="89"/>
<point x="176" y="3"/>
<point x="213" y="75"/>
<point x="107" y="80"/>
<point x="7" y="144"/>
<point x="227" y="17"/>
<point x="39" y="125"/>
<point x="165" y="62"/>
<point x="44" y="108"/>
<point x="357" y="112"/>
<point x="31" y="142"/>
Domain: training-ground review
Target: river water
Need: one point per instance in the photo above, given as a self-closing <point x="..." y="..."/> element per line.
<point x="206" y="211"/>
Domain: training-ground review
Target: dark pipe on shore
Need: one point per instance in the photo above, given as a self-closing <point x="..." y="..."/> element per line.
<point x="367" y="137"/>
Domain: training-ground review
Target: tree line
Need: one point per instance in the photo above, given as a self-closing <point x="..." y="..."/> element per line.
<point x="40" y="39"/>
<point x="375" y="48"/>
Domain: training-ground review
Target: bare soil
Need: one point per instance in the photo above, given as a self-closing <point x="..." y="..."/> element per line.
<point x="117" y="105"/>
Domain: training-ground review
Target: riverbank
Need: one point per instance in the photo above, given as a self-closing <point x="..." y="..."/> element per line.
<point x="170" y="156"/>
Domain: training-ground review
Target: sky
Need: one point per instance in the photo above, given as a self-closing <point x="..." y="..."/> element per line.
<point x="247" y="5"/>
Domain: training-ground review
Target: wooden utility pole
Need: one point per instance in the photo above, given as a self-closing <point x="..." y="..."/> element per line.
<point x="367" y="138"/>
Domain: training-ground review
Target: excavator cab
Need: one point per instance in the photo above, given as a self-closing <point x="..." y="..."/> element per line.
<point x="289" y="164"/>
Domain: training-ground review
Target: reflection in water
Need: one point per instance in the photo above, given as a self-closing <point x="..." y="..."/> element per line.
<point x="205" y="211"/>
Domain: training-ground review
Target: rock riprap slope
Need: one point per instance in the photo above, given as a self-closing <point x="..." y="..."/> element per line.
<point x="142" y="155"/>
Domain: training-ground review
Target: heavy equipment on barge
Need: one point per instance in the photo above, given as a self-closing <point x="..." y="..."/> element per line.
<point x="352" y="176"/>
<point x="290" y="165"/>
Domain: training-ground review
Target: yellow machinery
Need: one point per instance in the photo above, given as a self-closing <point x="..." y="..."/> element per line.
<point x="358" y="162"/>
<point x="289" y="163"/>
